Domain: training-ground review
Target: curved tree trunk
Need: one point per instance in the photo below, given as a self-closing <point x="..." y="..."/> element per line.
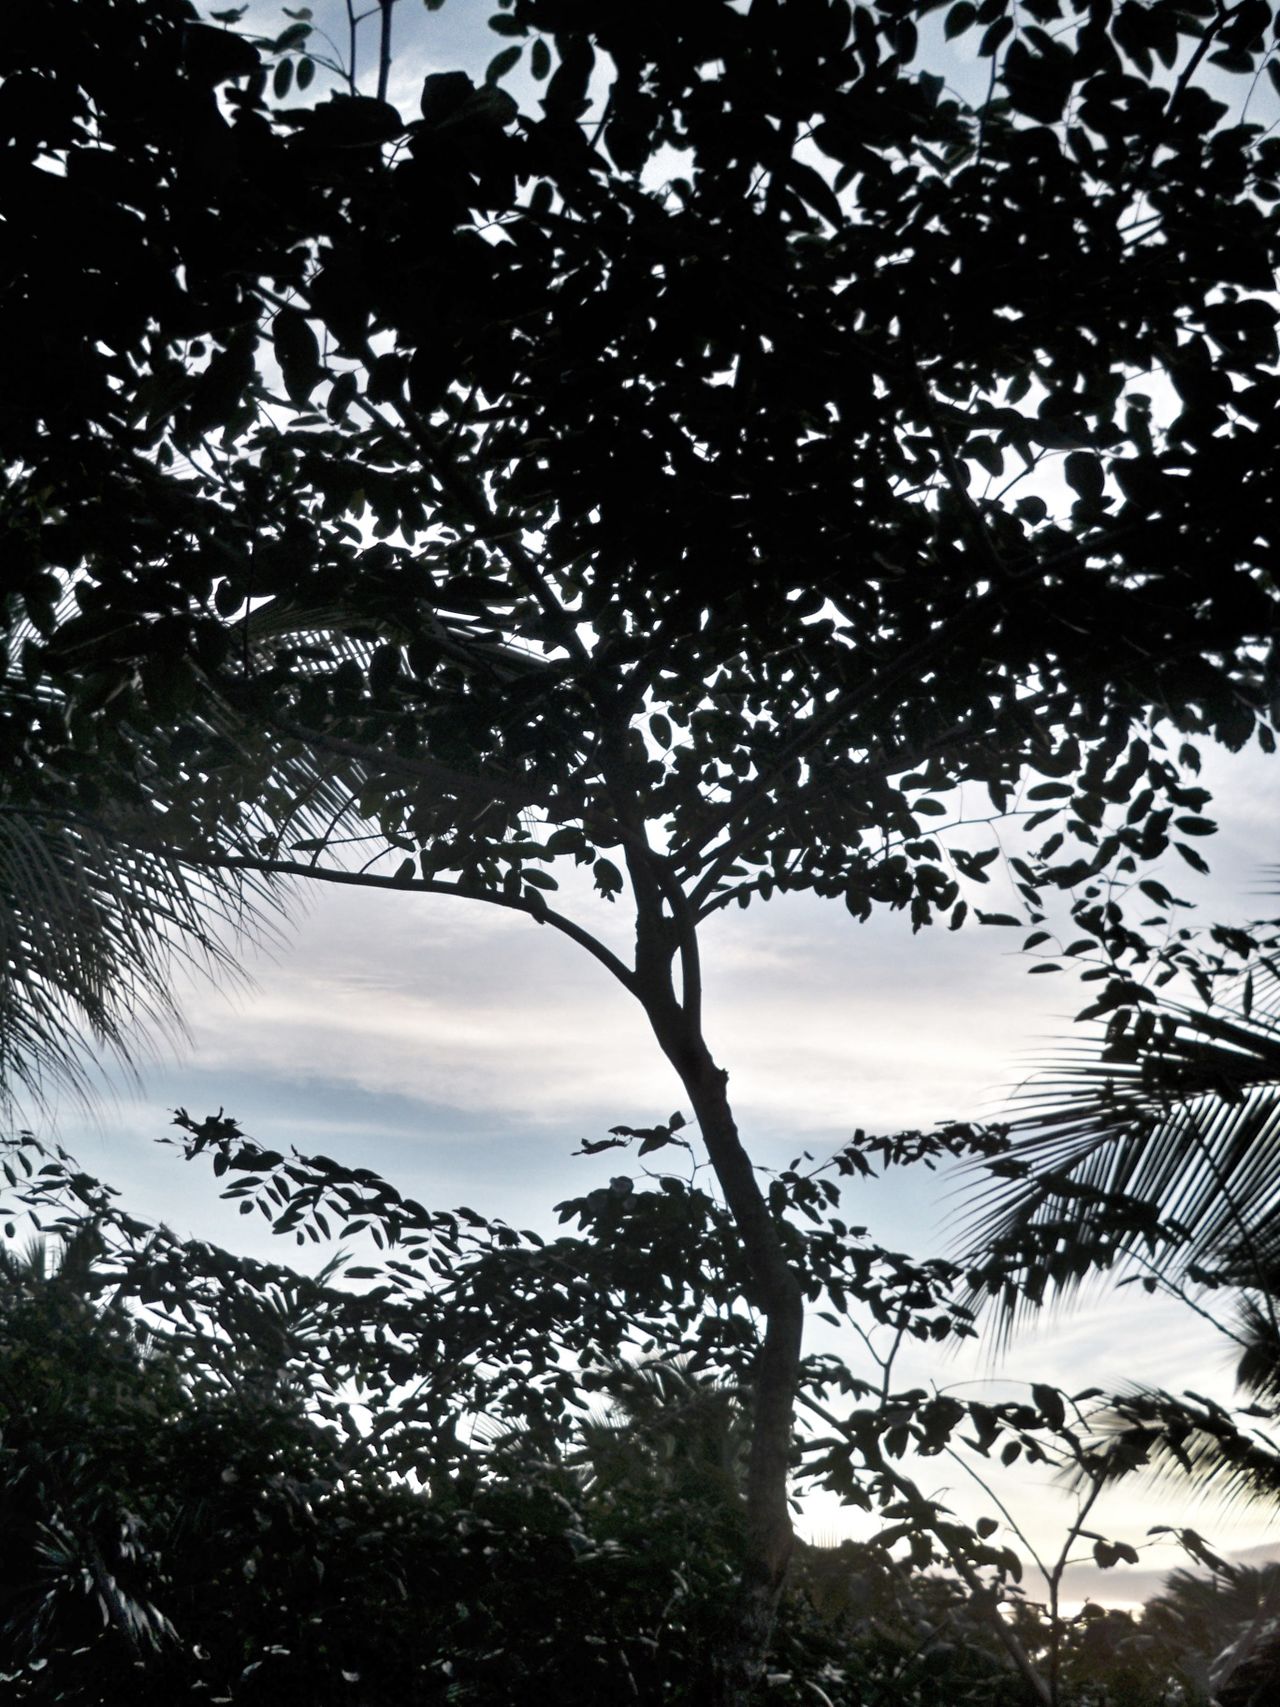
<point x="776" y="1293"/>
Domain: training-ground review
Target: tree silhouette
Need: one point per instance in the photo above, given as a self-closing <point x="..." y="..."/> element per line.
<point x="651" y="469"/>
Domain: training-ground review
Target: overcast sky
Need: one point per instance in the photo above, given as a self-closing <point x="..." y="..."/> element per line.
<point x="466" y="1052"/>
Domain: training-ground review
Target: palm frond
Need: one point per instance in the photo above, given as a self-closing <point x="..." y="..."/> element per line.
<point x="93" y="932"/>
<point x="1194" y="1441"/>
<point x="1166" y="1153"/>
<point x="98" y="916"/>
<point x="1258" y="1331"/>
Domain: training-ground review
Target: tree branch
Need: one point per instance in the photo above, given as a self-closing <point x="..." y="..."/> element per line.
<point x="538" y="911"/>
<point x="884" y="765"/>
<point x="955" y="476"/>
<point x="963" y="1567"/>
<point x="384" y="47"/>
<point x="476" y="502"/>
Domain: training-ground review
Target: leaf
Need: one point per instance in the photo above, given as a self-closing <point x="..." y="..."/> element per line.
<point x="1192" y="857"/>
<point x="501" y="63"/>
<point x="608" y="878"/>
<point x="813" y="188"/>
<point x="293" y="36"/>
<point x="567" y="92"/>
<point x="342" y="394"/>
<point x="1050" y="1404"/>
<point x="443" y="93"/>
<point x="1084" y="474"/>
<point x="298" y="353"/>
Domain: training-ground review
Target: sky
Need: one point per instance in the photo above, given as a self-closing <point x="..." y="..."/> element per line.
<point x="466" y="1053"/>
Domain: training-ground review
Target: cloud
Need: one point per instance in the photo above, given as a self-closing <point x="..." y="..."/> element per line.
<point x="466" y="1052"/>
<point x="823" y="1024"/>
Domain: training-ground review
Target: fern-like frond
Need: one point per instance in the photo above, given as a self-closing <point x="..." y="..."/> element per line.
<point x="1166" y="1153"/>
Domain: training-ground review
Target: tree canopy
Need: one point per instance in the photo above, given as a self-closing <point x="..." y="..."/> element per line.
<point x="740" y="464"/>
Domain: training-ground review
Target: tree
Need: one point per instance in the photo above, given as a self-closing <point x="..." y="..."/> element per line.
<point x="1216" y="1631"/>
<point x="1153" y="1148"/>
<point x="92" y="930"/>
<point x="629" y="482"/>
<point x="1154" y="1143"/>
<point x="71" y="1563"/>
<point x="272" y="1537"/>
<point x="187" y="1506"/>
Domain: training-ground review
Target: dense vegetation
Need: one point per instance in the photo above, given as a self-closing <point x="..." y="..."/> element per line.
<point x="224" y="1477"/>
<point x="715" y="466"/>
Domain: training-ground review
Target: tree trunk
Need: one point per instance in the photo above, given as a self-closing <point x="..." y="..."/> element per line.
<point x="776" y="1293"/>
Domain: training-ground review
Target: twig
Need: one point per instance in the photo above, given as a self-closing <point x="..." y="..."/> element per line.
<point x="963" y="1568"/>
<point x="384" y="48"/>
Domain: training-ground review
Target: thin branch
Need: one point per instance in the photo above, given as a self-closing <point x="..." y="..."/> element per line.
<point x="1001" y="1507"/>
<point x="539" y="911"/>
<point x="913" y="662"/>
<point x="384" y="48"/>
<point x="476" y="502"/>
<point x="1176" y="1289"/>
<point x="870" y="770"/>
<point x="1054" y="1580"/>
<point x="351" y="47"/>
<point x="1223" y="15"/>
<point x="962" y="1566"/>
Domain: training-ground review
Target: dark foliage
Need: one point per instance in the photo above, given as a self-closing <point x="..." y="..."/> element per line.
<point x="652" y="480"/>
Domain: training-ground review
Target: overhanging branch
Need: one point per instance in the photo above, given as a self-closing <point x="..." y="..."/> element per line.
<point x="538" y="911"/>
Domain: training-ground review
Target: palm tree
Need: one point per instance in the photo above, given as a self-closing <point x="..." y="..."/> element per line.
<point x="95" y="919"/>
<point x="1158" y="1147"/>
<point x="669" y="1433"/>
<point x="1160" y="1150"/>
<point x="92" y="932"/>
<point x="101" y="908"/>
<point x="1221" y="1633"/>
